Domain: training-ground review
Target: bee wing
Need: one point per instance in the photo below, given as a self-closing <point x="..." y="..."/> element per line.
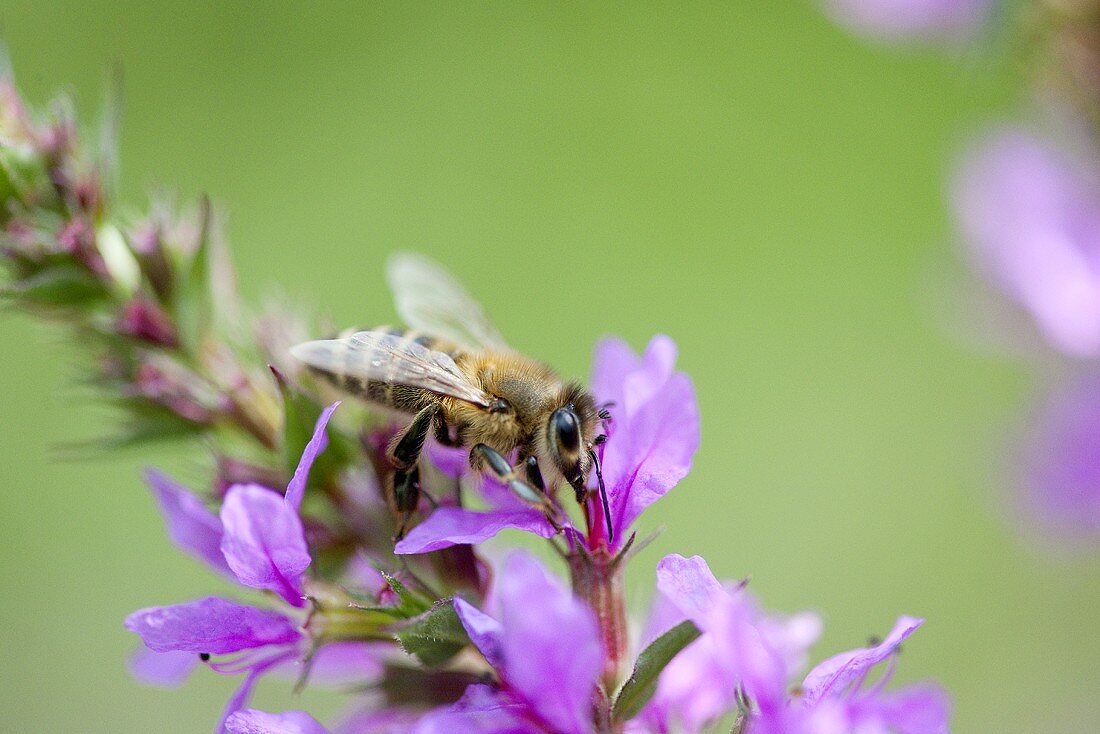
<point x="430" y="300"/>
<point x="376" y="355"/>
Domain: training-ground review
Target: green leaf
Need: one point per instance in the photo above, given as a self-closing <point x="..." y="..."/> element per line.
<point x="435" y="636"/>
<point x="409" y="603"/>
<point x="299" y="416"/>
<point x="66" y="285"/>
<point x="642" y="683"/>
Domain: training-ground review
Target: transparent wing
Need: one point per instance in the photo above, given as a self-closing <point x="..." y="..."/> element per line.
<point x="430" y="300"/>
<point x="376" y="355"/>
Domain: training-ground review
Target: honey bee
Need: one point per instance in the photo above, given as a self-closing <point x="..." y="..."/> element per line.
<point x="455" y="375"/>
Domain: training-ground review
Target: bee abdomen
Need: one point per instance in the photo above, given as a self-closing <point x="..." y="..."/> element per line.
<point x="347" y="371"/>
<point x="425" y="340"/>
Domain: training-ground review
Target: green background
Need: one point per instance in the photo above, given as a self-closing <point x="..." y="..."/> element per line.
<point x="742" y="176"/>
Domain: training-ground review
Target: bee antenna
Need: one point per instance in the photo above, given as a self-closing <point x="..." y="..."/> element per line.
<point x="603" y="496"/>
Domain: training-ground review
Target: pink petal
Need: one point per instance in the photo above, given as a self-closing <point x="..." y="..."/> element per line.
<point x="251" y="721"/>
<point x="192" y="527"/>
<point x="481" y="710"/>
<point x="317" y="443"/>
<point x="211" y="625"/>
<point x="484" y="631"/>
<point x="264" y="542"/>
<point x="448" y="526"/>
<point x="833" y="675"/>
<point x="550" y="644"/>
<point x="162" y="669"/>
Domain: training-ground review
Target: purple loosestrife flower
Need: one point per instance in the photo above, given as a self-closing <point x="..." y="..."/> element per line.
<point x="899" y="20"/>
<point x="1031" y="219"/>
<point x="745" y="659"/>
<point x="652" y="437"/>
<point x="546" y="649"/>
<point x="1060" y="465"/>
<point x="261" y="544"/>
<point x="251" y="721"/>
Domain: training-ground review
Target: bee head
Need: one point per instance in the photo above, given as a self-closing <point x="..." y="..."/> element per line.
<point x="566" y="450"/>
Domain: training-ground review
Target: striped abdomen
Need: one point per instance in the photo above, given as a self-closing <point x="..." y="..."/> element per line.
<point x="386" y="391"/>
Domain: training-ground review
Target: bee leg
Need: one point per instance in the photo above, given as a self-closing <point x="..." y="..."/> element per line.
<point x="406" y="495"/>
<point x="443" y="434"/>
<point x="405" y="448"/>
<point x="504" y="472"/>
<point x="404" y="453"/>
<point x="534" y="475"/>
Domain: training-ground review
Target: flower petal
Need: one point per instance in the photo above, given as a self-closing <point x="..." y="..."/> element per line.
<point x="484" y="631"/>
<point x="378" y="721"/>
<point x="917" y="709"/>
<point x="162" y="669"/>
<point x="481" y="710"/>
<point x="553" y="670"/>
<point x="689" y="584"/>
<point x="339" y="664"/>
<point x="1031" y="218"/>
<point x="833" y="675"/>
<point x="1059" y="466"/>
<point x="317" y="443"/>
<point x="252" y="721"/>
<point x="654" y="430"/>
<point x="241" y="696"/>
<point x="192" y="527"/>
<point x="732" y="627"/>
<point x="264" y="542"/>
<point x="647" y="456"/>
<point x="895" y="20"/>
<point x="612" y="361"/>
<point x="211" y="625"/>
<point x="448" y="526"/>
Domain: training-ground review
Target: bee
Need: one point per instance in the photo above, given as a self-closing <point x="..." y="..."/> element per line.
<point x="457" y="379"/>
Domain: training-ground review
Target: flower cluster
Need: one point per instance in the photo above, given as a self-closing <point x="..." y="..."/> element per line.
<point x="431" y="633"/>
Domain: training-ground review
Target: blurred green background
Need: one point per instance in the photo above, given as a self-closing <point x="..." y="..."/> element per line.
<point x="743" y="176"/>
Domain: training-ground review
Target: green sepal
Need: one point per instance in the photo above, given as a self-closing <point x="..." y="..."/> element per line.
<point x="642" y="683"/>
<point x="435" y="636"/>
<point x="192" y="304"/>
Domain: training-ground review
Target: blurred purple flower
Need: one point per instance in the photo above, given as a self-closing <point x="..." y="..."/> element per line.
<point x="548" y="679"/>
<point x="1031" y="219"/>
<point x="652" y="438"/>
<point x="1060" y="464"/>
<point x="899" y="20"/>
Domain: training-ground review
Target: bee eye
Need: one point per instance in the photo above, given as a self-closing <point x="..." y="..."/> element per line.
<point x="567" y="429"/>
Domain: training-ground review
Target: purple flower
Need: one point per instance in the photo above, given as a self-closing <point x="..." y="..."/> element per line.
<point x="654" y="431"/>
<point x="1031" y="219"/>
<point x="263" y="541"/>
<point x="653" y="435"/>
<point x="251" y="721"/>
<point x="896" y="20"/>
<point x="745" y="652"/>
<point x="740" y="648"/>
<point x="1060" y="464"/>
<point x="548" y="677"/>
<point x="262" y="544"/>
